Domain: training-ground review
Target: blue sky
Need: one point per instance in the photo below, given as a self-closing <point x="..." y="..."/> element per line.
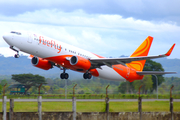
<point x="108" y="28"/>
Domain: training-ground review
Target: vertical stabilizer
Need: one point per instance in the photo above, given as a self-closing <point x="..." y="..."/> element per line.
<point x="142" y="50"/>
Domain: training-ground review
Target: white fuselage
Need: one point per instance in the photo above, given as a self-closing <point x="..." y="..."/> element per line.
<point x="45" y="47"/>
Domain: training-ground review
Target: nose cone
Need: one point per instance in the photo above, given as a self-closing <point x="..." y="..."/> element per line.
<point x="6" y="37"/>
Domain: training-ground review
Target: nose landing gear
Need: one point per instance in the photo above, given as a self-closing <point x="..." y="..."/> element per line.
<point x="15" y="49"/>
<point x="16" y="55"/>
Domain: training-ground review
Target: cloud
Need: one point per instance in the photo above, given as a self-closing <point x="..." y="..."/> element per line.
<point x="81" y="19"/>
<point x="104" y="34"/>
<point x="161" y="10"/>
<point x="7" y="52"/>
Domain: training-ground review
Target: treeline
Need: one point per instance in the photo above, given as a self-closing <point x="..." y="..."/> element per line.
<point x="92" y="86"/>
<point x="98" y="86"/>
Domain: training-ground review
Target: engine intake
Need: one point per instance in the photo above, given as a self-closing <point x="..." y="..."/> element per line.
<point x="41" y="63"/>
<point x="80" y="63"/>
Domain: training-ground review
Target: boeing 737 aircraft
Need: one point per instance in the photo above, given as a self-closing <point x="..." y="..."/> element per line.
<point x="47" y="53"/>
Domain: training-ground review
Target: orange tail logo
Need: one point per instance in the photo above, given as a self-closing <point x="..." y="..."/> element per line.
<point x="142" y="50"/>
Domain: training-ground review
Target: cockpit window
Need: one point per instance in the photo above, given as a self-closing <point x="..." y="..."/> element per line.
<point x="18" y="33"/>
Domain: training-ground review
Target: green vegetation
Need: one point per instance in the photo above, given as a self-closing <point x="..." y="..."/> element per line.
<point x="156" y="106"/>
<point x="94" y="88"/>
<point x="151" y="65"/>
<point x="29" y="80"/>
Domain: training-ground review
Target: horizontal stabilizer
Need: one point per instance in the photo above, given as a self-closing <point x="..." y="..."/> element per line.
<point x="154" y="73"/>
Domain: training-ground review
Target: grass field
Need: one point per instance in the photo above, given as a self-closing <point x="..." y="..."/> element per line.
<point x="156" y="106"/>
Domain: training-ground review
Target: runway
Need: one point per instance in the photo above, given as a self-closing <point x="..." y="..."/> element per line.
<point x="89" y="100"/>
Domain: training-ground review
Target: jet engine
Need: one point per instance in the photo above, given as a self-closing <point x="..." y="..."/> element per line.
<point x="80" y="63"/>
<point x="41" y="63"/>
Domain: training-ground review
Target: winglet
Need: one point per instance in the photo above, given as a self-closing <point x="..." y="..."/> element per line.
<point x="170" y="50"/>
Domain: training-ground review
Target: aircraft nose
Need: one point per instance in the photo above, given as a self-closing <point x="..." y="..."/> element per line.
<point x="6" y="37"/>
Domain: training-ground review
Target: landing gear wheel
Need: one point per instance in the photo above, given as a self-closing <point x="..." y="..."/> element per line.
<point x="87" y="75"/>
<point x="16" y="55"/>
<point x="64" y="76"/>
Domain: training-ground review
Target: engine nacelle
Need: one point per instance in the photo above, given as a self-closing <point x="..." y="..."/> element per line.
<point x="41" y="63"/>
<point x="80" y="63"/>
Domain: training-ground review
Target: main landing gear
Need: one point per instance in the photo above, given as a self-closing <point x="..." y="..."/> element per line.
<point x="87" y="75"/>
<point x="64" y="75"/>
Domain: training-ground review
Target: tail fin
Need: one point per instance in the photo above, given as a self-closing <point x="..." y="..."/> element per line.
<point x="142" y="50"/>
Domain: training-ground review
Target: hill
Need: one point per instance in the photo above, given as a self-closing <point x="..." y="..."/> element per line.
<point x="11" y="65"/>
<point x="170" y="65"/>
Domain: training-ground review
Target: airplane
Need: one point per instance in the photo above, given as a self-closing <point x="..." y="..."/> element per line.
<point x="47" y="53"/>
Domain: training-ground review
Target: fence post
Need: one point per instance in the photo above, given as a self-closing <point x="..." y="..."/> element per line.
<point x="74" y="103"/>
<point x="40" y="104"/>
<point x="140" y="105"/>
<point x="4" y="107"/>
<point x="4" y="89"/>
<point x="4" y="103"/>
<point x="39" y="88"/>
<point x="11" y="109"/>
<point x="171" y="102"/>
<point x="107" y="103"/>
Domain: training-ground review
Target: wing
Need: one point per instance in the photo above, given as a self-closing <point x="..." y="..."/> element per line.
<point x="113" y="61"/>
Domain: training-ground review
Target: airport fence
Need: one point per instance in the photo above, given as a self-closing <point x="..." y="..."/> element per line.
<point x="93" y="96"/>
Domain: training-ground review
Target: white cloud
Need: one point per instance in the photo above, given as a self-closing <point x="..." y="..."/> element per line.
<point x="108" y="35"/>
<point x="7" y="52"/>
<point x="80" y="18"/>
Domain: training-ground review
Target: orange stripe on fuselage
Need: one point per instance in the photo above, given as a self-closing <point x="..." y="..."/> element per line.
<point x="127" y="73"/>
<point x="62" y="61"/>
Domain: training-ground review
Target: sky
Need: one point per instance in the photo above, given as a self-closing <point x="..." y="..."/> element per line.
<point x="109" y="28"/>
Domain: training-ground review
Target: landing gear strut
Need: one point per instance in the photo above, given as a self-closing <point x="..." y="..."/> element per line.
<point x="15" y="49"/>
<point x="64" y="75"/>
<point x="87" y="75"/>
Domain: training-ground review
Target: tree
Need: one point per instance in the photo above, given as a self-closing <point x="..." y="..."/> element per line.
<point x="46" y="88"/>
<point x="29" y="80"/>
<point x="81" y="92"/>
<point x="50" y="82"/>
<point x="154" y="66"/>
<point x="1" y="88"/>
<point x="126" y="87"/>
<point x="3" y="82"/>
<point x="98" y="90"/>
<point x="146" y="82"/>
<point x="122" y="87"/>
<point x="60" y="91"/>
